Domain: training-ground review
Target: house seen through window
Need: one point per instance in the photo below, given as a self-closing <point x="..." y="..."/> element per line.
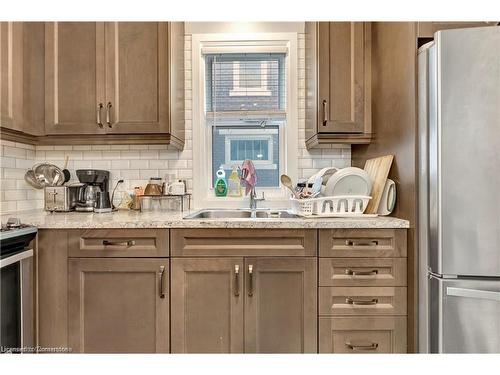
<point x="246" y="110"/>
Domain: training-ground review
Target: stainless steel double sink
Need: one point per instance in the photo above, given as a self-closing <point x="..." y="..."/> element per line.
<point x="241" y="214"/>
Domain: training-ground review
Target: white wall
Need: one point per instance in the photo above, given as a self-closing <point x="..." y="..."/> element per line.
<point x="136" y="163"/>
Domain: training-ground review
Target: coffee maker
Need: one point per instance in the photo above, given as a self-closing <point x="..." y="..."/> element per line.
<point x="95" y="182"/>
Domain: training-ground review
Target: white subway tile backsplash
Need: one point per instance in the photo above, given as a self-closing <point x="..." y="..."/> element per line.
<point x="158" y="164"/>
<point x="13" y="173"/>
<point x="119" y="147"/>
<point x="14" y="195"/>
<point x="101" y="164"/>
<point x="92" y="155"/>
<point x="148" y="154"/>
<point x="321" y="163"/>
<point x="120" y="164"/>
<point x="129" y="155"/>
<point x="14" y="152"/>
<point x="23" y="163"/>
<point x="80" y="147"/>
<point x="8" y="184"/>
<point x="145" y="174"/>
<point x="138" y="164"/>
<point x="7" y="162"/>
<point x="111" y="154"/>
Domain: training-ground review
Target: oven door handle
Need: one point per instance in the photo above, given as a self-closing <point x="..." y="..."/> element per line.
<point x="16" y="258"/>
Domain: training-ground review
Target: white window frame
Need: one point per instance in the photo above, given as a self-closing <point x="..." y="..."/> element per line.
<point x="237" y="90"/>
<point x="259" y="164"/>
<point x="203" y="195"/>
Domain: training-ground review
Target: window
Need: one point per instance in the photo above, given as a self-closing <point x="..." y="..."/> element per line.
<point x="244" y="95"/>
<point x="245" y="103"/>
<point x="250" y="79"/>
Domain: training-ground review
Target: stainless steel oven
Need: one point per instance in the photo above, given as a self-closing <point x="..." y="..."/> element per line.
<point x="16" y="288"/>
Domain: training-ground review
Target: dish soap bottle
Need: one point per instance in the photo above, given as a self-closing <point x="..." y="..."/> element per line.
<point x="220" y="183"/>
<point x="234" y="184"/>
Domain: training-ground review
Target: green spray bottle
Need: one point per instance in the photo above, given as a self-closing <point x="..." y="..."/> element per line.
<point x="220" y="183"/>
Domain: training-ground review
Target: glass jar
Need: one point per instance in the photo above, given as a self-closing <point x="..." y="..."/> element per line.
<point x="154" y="186"/>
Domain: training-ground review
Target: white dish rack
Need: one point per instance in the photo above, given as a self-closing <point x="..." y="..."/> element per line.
<point x="336" y="206"/>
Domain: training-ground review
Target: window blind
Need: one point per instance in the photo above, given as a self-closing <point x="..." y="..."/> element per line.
<point x="245" y="84"/>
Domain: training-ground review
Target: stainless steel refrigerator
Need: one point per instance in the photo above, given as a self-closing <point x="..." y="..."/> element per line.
<point x="459" y="192"/>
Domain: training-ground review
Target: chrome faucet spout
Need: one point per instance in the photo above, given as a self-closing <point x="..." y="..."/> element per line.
<point x="254" y="199"/>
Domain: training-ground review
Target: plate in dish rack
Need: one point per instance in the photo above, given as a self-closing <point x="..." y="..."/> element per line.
<point x="349" y="181"/>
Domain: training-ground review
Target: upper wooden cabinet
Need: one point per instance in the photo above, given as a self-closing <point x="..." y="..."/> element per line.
<point x="74" y="77"/>
<point x="115" y="79"/>
<point x="21" y="77"/>
<point x="338" y="82"/>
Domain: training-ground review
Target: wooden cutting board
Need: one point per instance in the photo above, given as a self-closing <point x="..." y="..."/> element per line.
<point x="378" y="170"/>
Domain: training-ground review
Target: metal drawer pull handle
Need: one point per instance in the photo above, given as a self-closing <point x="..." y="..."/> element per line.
<point x="128" y="243"/>
<point x="162" y="282"/>
<point x="325" y="113"/>
<point x="356" y="243"/>
<point x="250" y="281"/>
<point x="99" y="122"/>
<point x="352" y="301"/>
<point x="108" y="116"/>
<point x="372" y="346"/>
<point x="361" y="273"/>
<point x="236" y="280"/>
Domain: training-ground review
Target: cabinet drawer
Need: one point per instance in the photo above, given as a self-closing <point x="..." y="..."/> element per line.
<point x="364" y="335"/>
<point x="362" y="243"/>
<point x="362" y="272"/>
<point x="336" y="301"/>
<point x="119" y="243"/>
<point x="243" y="242"/>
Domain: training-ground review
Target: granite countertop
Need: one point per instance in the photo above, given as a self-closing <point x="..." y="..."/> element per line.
<point x="134" y="219"/>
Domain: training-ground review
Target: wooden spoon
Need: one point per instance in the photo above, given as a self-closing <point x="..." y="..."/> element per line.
<point x="287" y="181"/>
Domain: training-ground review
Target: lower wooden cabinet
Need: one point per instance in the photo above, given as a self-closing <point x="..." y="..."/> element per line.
<point x="280" y="305"/>
<point x="207" y="305"/>
<point x="381" y="334"/>
<point x="250" y="305"/>
<point x="118" y="305"/>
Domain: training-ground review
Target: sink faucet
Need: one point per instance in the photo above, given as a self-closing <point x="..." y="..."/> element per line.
<point x="254" y="200"/>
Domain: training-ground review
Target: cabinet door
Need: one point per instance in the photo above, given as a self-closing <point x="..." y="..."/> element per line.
<point x="207" y="305"/>
<point x="137" y="78"/>
<point x="118" y="305"/>
<point x="280" y="305"/>
<point x="74" y="77"/>
<point x="343" y="76"/>
<point x="11" y="65"/>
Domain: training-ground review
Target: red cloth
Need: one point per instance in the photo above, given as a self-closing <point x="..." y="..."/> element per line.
<point x="248" y="176"/>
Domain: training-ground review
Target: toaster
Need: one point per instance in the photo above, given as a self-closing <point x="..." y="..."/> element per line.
<point x="60" y="198"/>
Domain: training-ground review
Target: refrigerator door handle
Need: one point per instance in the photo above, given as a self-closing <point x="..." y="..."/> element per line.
<point x="473" y="293"/>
